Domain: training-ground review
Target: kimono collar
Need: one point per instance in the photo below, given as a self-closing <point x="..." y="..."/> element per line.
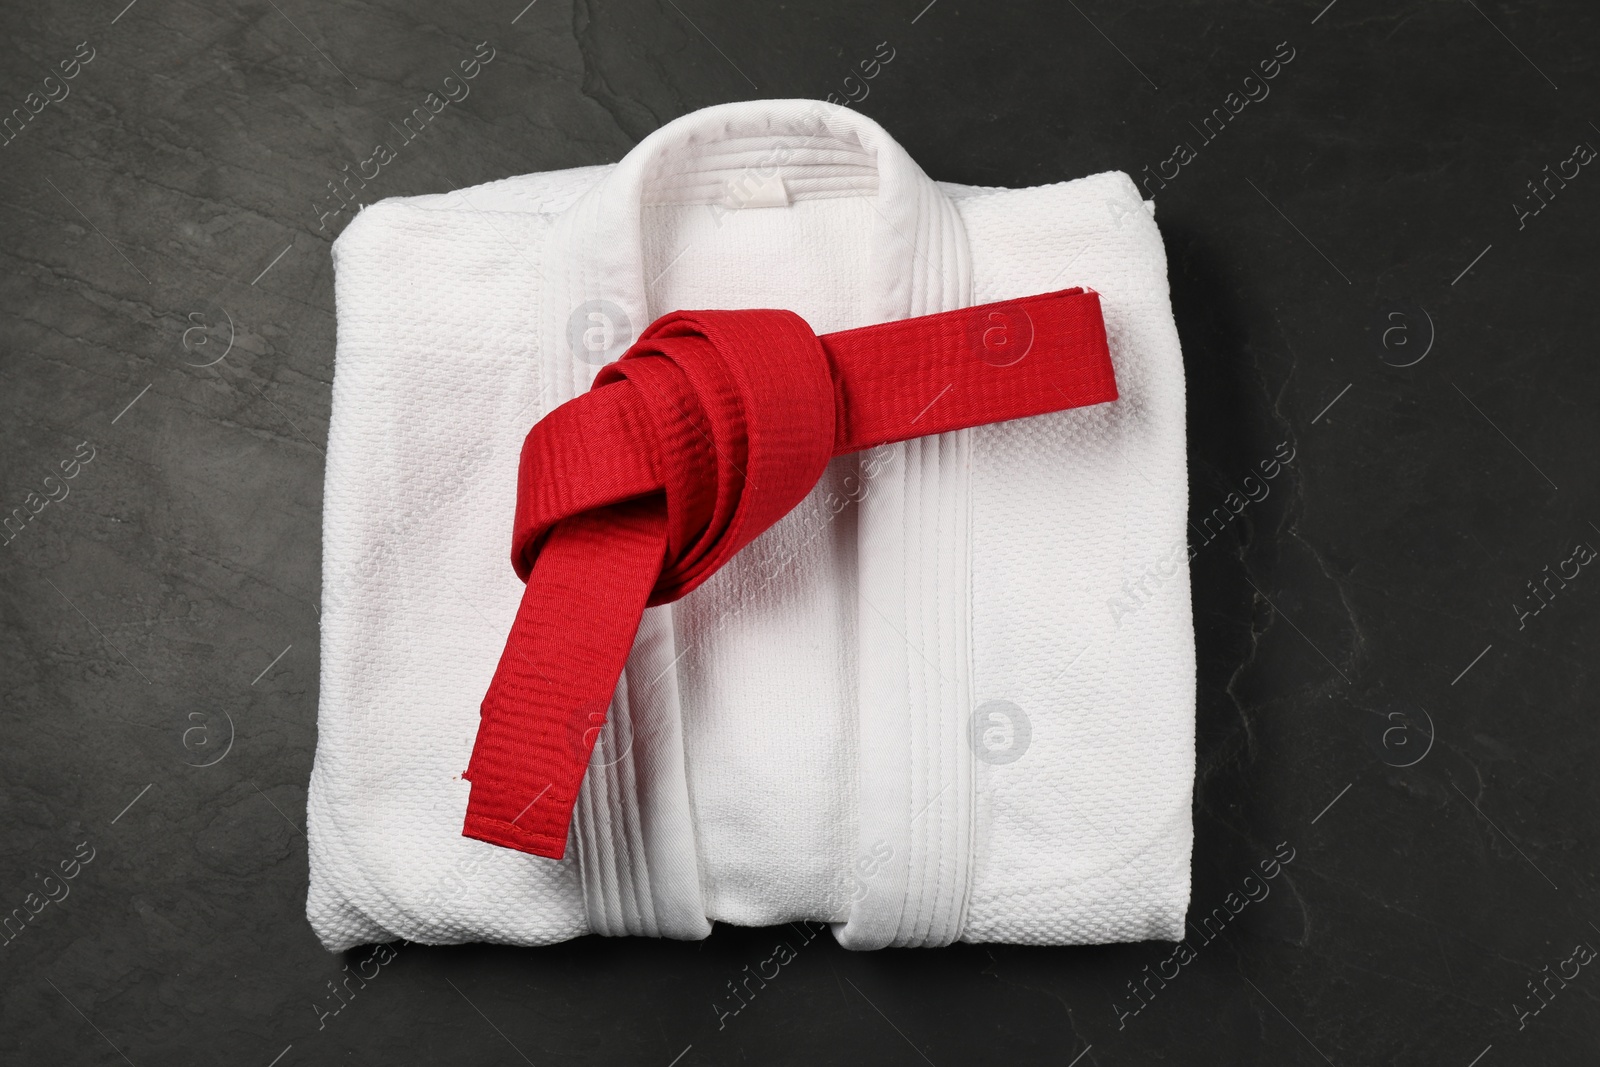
<point x="726" y="157"/>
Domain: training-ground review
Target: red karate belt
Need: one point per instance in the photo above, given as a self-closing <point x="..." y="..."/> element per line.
<point x="703" y="434"/>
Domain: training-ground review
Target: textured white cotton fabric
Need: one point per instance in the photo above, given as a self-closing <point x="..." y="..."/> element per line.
<point x="950" y="696"/>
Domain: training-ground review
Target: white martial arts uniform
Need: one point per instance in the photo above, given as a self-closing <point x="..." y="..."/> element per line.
<point x="949" y="697"/>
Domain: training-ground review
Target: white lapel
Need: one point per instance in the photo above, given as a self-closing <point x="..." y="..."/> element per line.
<point x="633" y="828"/>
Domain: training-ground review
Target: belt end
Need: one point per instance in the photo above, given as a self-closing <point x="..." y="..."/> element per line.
<point x="506" y="835"/>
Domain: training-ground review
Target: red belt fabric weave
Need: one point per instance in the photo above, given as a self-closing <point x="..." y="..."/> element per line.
<point x="701" y="436"/>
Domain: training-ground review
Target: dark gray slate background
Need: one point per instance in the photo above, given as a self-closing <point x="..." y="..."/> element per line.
<point x="1368" y="692"/>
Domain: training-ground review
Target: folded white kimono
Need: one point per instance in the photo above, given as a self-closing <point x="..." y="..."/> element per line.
<point x="948" y="697"/>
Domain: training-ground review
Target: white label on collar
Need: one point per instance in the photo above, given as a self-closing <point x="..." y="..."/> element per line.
<point x="752" y="190"/>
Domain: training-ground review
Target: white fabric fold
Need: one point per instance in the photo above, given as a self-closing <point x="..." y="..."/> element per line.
<point x="924" y="707"/>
